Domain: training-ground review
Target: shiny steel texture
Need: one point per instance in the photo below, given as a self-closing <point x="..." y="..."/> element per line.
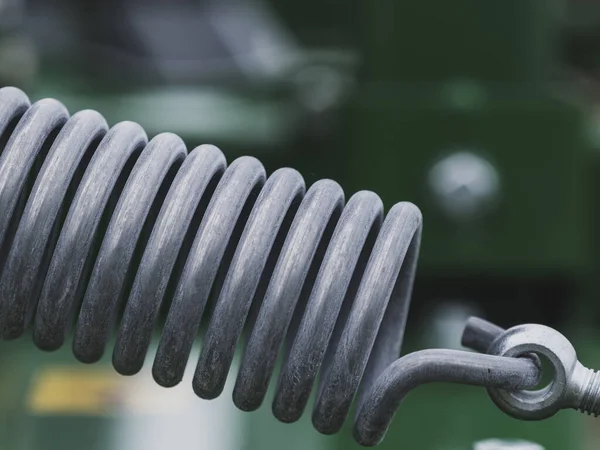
<point x="101" y="230"/>
<point x="573" y="386"/>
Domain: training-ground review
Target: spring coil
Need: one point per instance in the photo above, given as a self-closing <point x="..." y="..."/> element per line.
<point x="99" y="225"/>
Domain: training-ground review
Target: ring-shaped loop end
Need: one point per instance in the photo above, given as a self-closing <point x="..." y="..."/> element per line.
<point x="524" y="340"/>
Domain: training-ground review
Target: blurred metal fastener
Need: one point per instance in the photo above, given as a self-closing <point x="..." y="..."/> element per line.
<point x="573" y="386"/>
<point x="464" y="185"/>
<point x="501" y="444"/>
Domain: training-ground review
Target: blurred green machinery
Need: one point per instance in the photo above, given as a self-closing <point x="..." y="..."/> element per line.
<point x="469" y="109"/>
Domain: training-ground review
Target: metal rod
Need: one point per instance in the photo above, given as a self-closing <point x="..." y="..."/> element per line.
<point x="479" y="334"/>
<point x="430" y="366"/>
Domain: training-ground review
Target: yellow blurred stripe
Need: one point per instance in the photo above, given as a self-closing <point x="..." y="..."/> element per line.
<point x="70" y="390"/>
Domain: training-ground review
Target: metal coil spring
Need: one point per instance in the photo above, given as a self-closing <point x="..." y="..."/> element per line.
<point x="103" y="231"/>
<point x="98" y="223"/>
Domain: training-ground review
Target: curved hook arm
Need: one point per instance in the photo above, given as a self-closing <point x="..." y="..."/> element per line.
<point x="436" y="365"/>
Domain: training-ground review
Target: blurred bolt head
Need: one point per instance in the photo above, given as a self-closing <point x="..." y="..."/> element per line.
<point x="464" y="185"/>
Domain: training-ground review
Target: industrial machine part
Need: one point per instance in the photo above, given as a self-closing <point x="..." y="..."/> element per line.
<point x="573" y="386"/>
<point x="98" y="223"/>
